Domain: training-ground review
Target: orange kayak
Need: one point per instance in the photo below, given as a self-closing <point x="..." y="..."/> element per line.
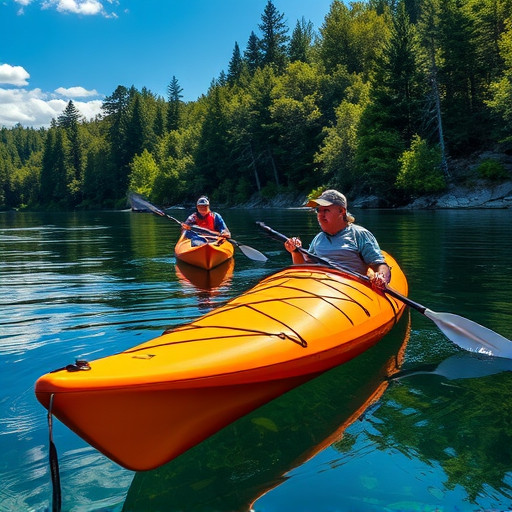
<point x="207" y="255"/>
<point x="147" y="405"/>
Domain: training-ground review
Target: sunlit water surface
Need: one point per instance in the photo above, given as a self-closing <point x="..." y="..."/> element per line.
<point x="86" y="285"/>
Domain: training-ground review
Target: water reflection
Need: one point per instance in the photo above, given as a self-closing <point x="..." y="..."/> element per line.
<point x="205" y="285"/>
<point x="462" y="365"/>
<point x="459" y="423"/>
<point x="233" y="468"/>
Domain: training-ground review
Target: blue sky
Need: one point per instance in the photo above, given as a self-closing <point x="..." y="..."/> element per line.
<point x="52" y="51"/>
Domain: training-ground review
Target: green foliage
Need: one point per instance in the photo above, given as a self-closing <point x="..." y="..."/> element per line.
<point x="272" y="190"/>
<point x="353" y="36"/>
<point x="464" y="81"/>
<point x="236" y="65"/>
<point x="316" y="192"/>
<point x="170" y="184"/>
<point x="500" y="100"/>
<point x="420" y="169"/>
<point x="492" y="170"/>
<point x="301" y="41"/>
<point x="144" y="171"/>
<point x="243" y="191"/>
<point x="377" y="155"/>
<point x="338" y="150"/>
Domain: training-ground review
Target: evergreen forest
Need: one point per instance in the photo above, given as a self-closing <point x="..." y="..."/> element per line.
<point x="383" y="99"/>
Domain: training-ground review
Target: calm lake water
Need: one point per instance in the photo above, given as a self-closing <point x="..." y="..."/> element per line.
<point x="86" y="285"/>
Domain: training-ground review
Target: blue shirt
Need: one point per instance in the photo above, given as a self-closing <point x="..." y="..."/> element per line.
<point x="354" y="248"/>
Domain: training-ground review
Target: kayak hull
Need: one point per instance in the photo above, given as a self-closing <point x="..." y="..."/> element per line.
<point x="210" y="254"/>
<point x="146" y="405"/>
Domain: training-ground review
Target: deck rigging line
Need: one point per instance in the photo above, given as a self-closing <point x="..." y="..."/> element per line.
<point x="268" y="285"/>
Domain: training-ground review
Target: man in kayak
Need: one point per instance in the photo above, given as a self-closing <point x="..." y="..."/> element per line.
<point x="205" y="218"/>
<point x="342" y="241"/>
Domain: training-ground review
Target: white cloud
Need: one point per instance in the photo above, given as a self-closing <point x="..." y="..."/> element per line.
<point x="89" y="109"/>
<point x="76" y="92"/>
<point x="86" y="7"/>
<point x="23" y="4"/>
<point x="13" y="75"/>
<point x="34" y="108"/>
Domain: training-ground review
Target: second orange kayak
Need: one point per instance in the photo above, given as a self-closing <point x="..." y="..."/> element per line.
<point x="206" y="252"/>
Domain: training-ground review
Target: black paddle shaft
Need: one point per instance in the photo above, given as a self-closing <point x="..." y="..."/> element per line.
<point x="329" y="263"/>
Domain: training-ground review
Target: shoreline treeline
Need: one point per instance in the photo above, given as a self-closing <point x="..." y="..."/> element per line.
<point x="381" y="100"/>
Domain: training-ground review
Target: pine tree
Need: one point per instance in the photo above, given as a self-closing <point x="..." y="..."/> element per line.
<point x="62" y="172"/>
<point x="138" y="131"/>
<point x="274" y="39"/>
<point x="301" y="41"/>
<point x="235" y="65"/>
<point x="116" y="104"/>
<point x="213" y="154"/>
<point x="160" y="123"/>
<point x="500" y="101"/>
<point x="48" y="182"/>
<point x="489" y="24"/>
<point x="70" y="116"/>
<point x="69" y="121"/>
<point x="175" y="104"/>
<point x="252" y="54"/>
<point x="116" y="108"/>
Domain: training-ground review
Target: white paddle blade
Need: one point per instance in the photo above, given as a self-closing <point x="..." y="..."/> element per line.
<point x="471" y="336"/>
<point x="252" y="253"/>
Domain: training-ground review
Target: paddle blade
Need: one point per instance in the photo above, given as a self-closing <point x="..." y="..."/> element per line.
<point x="471" y="336"/>
<point x="252" y="253"/>
<point x="137" y="202"/>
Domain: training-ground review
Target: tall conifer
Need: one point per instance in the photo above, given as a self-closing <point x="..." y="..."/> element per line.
<point x="274" y="38"/>
<point x="174" y="107"/>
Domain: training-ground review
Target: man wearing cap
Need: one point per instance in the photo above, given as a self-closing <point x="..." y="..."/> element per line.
<point x="205" y="218"/>
<point x="342" y="241"/>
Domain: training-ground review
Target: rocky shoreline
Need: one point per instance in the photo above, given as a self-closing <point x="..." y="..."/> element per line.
<point x="482" y="195"/>
<point x="466" y="190"/>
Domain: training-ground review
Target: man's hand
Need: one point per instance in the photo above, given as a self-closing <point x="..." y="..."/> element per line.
<point x="292" y="244"/>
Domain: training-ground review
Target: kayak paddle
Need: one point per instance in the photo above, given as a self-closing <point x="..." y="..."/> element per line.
<point x="138" y="203"/>
<point x="463" y="332"/>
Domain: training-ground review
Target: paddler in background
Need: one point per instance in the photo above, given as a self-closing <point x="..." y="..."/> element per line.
<point x="350" y="245"/>
<point x="205" y="218"/>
